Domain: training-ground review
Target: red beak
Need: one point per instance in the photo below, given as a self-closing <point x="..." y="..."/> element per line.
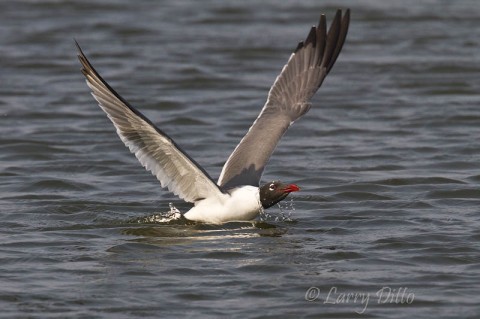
<point x="291" y="188"/>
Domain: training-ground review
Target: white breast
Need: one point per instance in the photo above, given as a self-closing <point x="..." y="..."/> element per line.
<point x="242" y="204"/>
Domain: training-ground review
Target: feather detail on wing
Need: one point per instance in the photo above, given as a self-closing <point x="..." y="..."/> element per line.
<point x="155" y="150"/>
<point x="287" y="101"/>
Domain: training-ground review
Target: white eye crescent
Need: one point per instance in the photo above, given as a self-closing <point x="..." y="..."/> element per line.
<point x="272" y="187"/>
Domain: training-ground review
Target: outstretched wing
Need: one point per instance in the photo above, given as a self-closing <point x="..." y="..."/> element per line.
<point x="155" y="150"/>
<point x="288" y="100"/>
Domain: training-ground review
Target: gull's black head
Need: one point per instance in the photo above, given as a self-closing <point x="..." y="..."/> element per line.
<point x="273" y="192"/>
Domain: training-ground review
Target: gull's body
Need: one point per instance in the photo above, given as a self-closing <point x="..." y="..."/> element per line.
<point x="236" y="196"/>
<point x="240" y="204"/>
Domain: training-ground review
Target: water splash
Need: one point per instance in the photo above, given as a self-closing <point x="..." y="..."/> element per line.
<point x="286" y="210"/>
<point x="172" y="216"/>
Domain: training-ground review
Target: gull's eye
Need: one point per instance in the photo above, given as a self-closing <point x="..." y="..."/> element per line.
<point x="272" y="187"/>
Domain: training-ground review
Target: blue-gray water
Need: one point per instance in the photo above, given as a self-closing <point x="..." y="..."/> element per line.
<point x="388" y="160"/>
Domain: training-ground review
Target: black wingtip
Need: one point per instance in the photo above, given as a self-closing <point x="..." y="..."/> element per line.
<point x="299" y="46"/>
<point x="312" y="37"/>
<point x="343" y="24"/>
<point x="82" y="58"/>
<point x="79" y="49"/>
<point x="86" y="66"/>
<point x="322" y="21"/>
<point x="338" y="30"/>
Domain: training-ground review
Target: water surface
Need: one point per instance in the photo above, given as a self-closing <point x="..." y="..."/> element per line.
<point x="387" y="158"/>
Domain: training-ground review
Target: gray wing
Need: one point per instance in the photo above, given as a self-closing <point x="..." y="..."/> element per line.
<point x="155" y="150"/>
<point x="288" y="100"/>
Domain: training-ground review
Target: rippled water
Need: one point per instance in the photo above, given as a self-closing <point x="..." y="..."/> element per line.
<point x="387" y="223"/>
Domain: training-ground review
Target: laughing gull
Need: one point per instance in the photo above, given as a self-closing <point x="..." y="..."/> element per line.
<point x="237" y="195"/>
